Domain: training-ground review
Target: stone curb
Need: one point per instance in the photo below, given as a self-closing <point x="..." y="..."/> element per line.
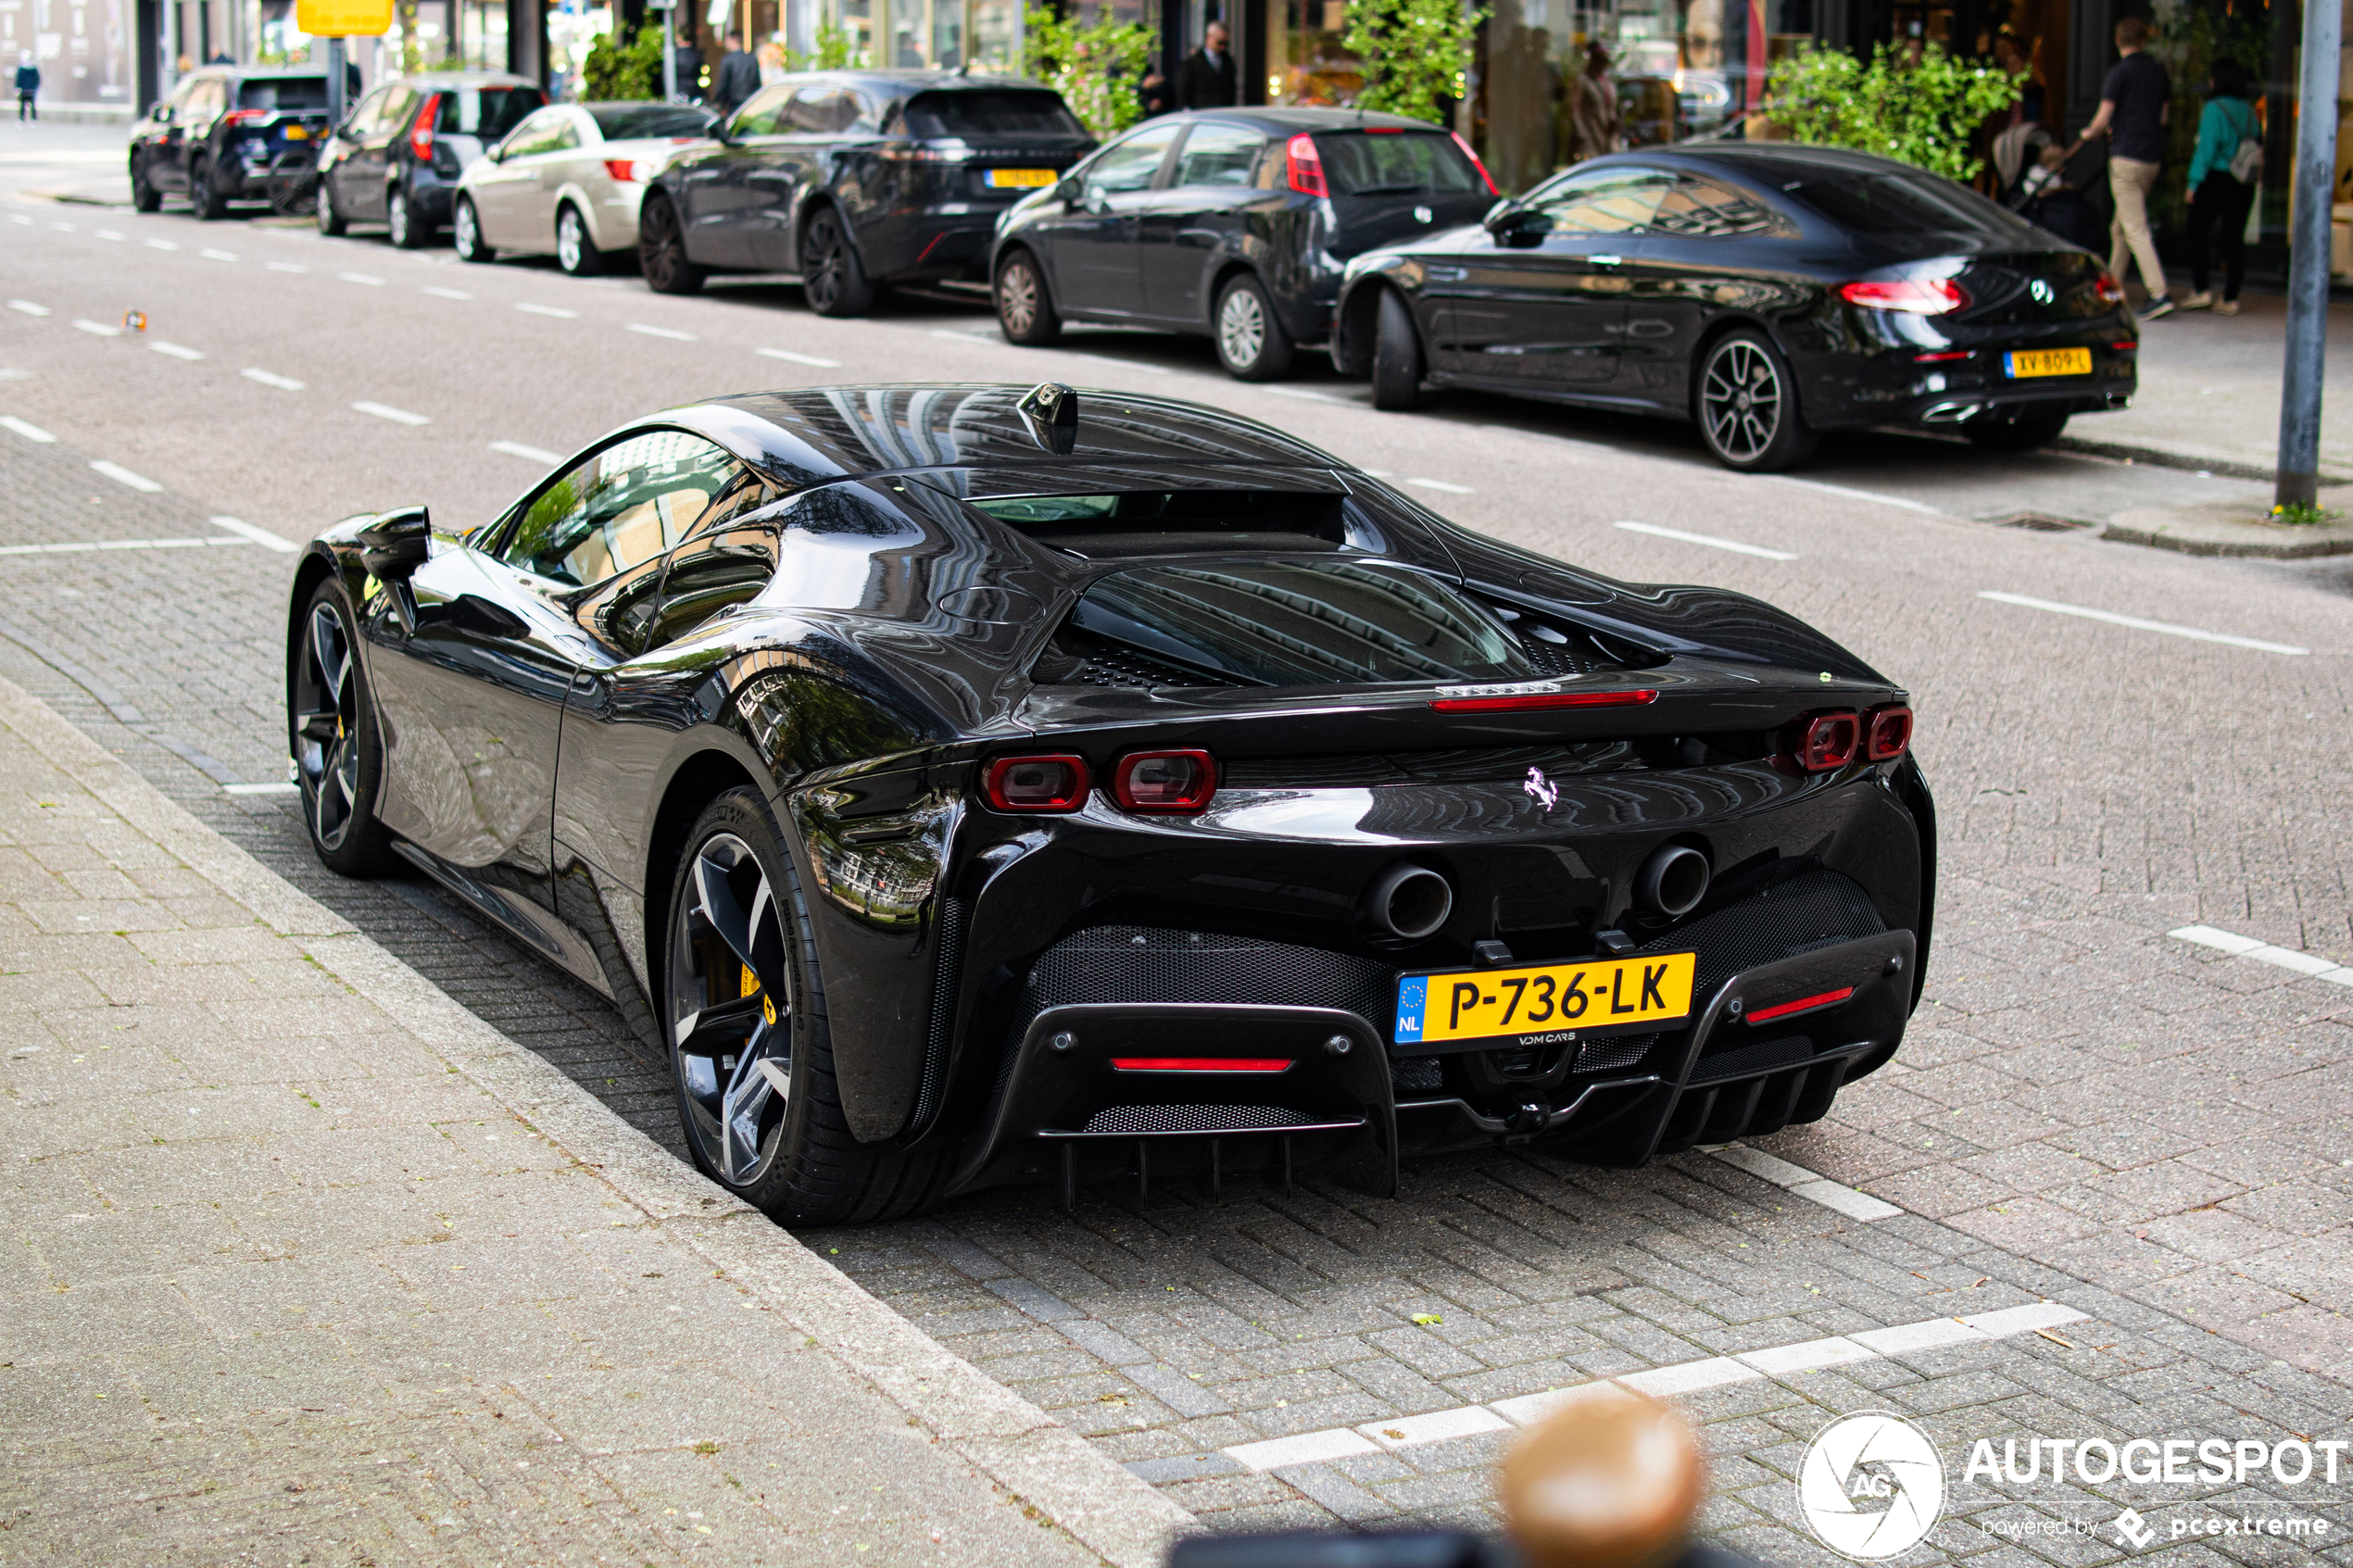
<point x="1003" y="1436"/>
<point x="2187" y="462"/>
<point x="2147" y="530"/>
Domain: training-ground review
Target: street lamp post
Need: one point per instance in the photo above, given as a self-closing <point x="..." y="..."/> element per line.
<point x="661" y="9"/>
<point x="2308" y="266"/>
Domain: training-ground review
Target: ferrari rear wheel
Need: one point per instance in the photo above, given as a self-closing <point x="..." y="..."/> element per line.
<point x="661" y="249"/>
<point x="1746" y="402"/>
<point x="338" y="753"/>
<point x="750" y="1047"/>
<point x="1397" y="354"/>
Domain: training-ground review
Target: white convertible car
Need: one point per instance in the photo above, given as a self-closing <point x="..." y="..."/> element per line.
<point x="568" y="181"/>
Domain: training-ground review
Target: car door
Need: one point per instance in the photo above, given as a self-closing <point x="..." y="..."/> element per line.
<point x="1538" y="300"/>
<point x="165" y="152"/>
<point x="1092" y="244"/>
<point x="1197" y="219"/>
<point x="360" y="191"/>
<point x="814" y="125"/>
<point x="205" y="105"/>
<point x="714" y="180"/>
<point x="514" y="198"/>
<point x="349" y="138"/>
<point x="1708" y="246"/>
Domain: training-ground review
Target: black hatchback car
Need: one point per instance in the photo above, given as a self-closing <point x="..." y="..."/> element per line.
<point x="214" y="140"/>
<point x="397" y="159"/>
<point x="1767" y="292"/>
<point x="855" y="180"/>
<point x="1236" y="223"/>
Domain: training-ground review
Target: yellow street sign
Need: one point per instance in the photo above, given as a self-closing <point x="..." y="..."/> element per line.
<point x="344" y="18"/>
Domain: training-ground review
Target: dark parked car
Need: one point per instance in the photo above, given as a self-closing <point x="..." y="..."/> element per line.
<point x="1232" y="223"/>
<point x="855" y="180"/>
<point x="963" y="785"/>
<point x="397" y="159"/>
<point x="1768" y="292"/>
<point x="214" y="139"/>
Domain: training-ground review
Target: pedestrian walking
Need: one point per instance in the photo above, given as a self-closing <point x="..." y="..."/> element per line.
<point x="689" y="66"/>
<point x="2132" y="108"/>
<point x="1152" y="93"/>
<point x="2223" y="175"/>
<point x="1207" y="80"/>
<point x="1592" y="108"/>
<point x="736" y="78"/>
<point x="27" y="86"/>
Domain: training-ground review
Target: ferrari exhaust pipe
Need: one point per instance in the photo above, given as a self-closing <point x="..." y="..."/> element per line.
<point x="1409" y="901"/>
<point x="1672" y="880"/>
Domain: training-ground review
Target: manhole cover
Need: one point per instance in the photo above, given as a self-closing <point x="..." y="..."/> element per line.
<point x="2041" y="523"/>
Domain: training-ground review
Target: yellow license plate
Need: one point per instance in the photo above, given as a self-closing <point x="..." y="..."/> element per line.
<point x="297" y="133"/>
<point x="1547" y="1001"/>
<point x="2047" y="362"/>
<point x="1021" y="178"/>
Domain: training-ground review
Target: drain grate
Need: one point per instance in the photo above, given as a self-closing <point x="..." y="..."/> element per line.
<point x="2041" y="523"/>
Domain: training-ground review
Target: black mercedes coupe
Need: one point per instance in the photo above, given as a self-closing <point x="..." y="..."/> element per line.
<point x="1766" y="290"/>
<point x="967" y="785"/>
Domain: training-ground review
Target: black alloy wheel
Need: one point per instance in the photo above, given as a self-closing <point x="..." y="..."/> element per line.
<point x="465" y="232"/>
<point x="1746" y="405"/>
<point x="338" y="753"/>
<point x="332" y="221"/>
<point x="832" y="279"/>
<point x="576" y="252"/>
<point x="1397" y="354"/>
<point x="210" y="203"/>
<point x="145" y="198"/>
<point x="661" y="249"/>
<point x="1251" y="341"/>
<point x="407" y="225"/>
<point x="2024" y="434"/>
<point x="1025" y="312"/>
<point x="750" y="1048"/>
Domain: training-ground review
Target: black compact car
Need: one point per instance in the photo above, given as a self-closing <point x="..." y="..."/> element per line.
<point x="1766" y="291"/>
<point x="1235" y="223"/>
<point x="855" y="180"/>
<point x="965" y="786"/>
<point x="395" y="160"/>
<point x="215" y="138"/>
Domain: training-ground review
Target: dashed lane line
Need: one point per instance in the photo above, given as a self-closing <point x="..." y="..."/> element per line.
<point x="218" y="254"/>
<point x="1710" y="540"/>
<point x="387" y="412"/>
<point x="27" y="429"/>
<point x="163" y="244"/>
<point x="271" y="378"/>
<point x="280" y="788"/>
<point x="1306" y="393"/>
<point x="285" y="266"/>
<point x="2135" y="622"/>
<point x="97" y="329"/>
<point x="1852" y="494"/>
<point x="105" y="234"/>
<point x="121" y="475"/>
<point x="28" y="307"/>
<point x="439" y="292"/>
<point x="178" y="351"/>
<point x="77" y="546"/>
<point x="1799" y="1182"/>
<point x="2238" y="947"/>
<point x="62" y="228"/>
<point x="529" y="454"/>
<point x="660" y="332"/>
<point x="1713" y="1371"/>
<point x="557" y="311"/>
<point x="1443" y="485"/>
<point x="372" y="281"/>
<point x="788" y="355"/>
<point x="253" y="535"/>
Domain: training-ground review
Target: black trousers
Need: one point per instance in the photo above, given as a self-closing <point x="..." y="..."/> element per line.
<point x="2218" y="222"/>
<point x="25" y="108"/>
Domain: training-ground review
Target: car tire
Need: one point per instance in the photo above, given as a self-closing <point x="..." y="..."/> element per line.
<point x="661" y="249"/>
<point x="1251" y="341"/>
<point x="832" y="278"/>
<point x="576" y="250"/>
<point x="405" y="224"/>
<point x="145" y="198"/>
<point x="2023" y="434"/>
<point x="465" y="232"/>
<point x="1398" y="365"/>
<point x="1745" y="402"/>
<point x="750" y="1049"/>
<point x="1025" y="312"/>
<point x="332" y="736"/>
<point x="332" y="221"/>
<point x="205" y="198"/>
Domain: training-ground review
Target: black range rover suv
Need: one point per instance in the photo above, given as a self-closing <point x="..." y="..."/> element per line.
<point x="214" y="139"/>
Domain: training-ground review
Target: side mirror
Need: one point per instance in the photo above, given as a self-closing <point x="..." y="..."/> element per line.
<point x="396" y="543"/>
<point x="1069" y="191"/>
<point x="1518" y="226"/>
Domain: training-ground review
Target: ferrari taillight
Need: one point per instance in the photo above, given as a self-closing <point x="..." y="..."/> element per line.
<point x="1305" y="166"/>
<point x="1037" y="784"/>
<point x="421" y="139"/>
<point x="1825" y="741"/>
<point x="1887" y="733"/>
<point x="1164" y="781"/>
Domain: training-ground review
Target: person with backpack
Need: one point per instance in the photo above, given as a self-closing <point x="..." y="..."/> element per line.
<point x="2223" y="175"/>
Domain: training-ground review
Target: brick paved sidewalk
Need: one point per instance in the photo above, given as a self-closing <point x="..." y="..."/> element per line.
<point x="305" y="1264"/>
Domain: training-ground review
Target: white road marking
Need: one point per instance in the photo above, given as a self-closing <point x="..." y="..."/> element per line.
<point x="2140" y="625"/>
<point x="285" y="267"/>
<point x="660" y="332"/>
<point x="787" y="354"/>
<point x="960" y="337"/>
<point x="76" y="547"/>
<point x="559" y="313"/>
<point x="28" y="307"/>
<point x="105" y="234"/>
<point x="121" y="475"/>
<point x="361" y="278"/>
<point x="20" y="217"/>
<point x="25" y="427"/>
<point x="1711" y="1371"/>
<point x="218" y="254"/>
<point x="100" y="328"/>
<point x="247" y="532"/>
<point x="1852" y="494"/>
<point x="530" y="454"/>
<point x="62" y="228"/>
<point x="271" y="378"/>
<point x="1302" y="392"/>
<point x="446" y="294"/>
<point x="162" y="245"/>
<point x="261" y="789"/>
<point x="1710" y="540"/>
<point x="1441" y="484"/>
<point x="1809" y="1184"/>
<point x="397" y="416"/>
<point x="2264" y="952"/>
<point x="178" y="351"/>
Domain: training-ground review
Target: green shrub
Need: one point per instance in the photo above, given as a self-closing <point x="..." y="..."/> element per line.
<point x="615" y="70"/>
<point x="1096" y="69"/>
<point x="1922" y="114"/>
<point x="1413" y="52"/>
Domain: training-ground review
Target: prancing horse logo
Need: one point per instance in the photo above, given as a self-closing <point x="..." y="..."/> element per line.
<point x="1542" y="790"/>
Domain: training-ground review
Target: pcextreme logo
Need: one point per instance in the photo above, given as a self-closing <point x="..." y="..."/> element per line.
<point x="1871" y="1485"/>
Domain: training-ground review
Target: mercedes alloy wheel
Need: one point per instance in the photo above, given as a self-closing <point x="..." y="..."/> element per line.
<point x="1747" y="407"/>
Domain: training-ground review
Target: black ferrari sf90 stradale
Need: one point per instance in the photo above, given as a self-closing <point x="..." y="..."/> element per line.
<point x="968" y="786"/>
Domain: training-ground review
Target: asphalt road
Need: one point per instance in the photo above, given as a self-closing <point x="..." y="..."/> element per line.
<point x="2124" y="742"/>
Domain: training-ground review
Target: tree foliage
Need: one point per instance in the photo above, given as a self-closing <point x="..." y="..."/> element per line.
<point x="1097" y="67"/>
<point x="1921" y="113"/>
<point x="1414" y="52"/>
<point x="836" y="50"/>
<point x="617" y="69"/>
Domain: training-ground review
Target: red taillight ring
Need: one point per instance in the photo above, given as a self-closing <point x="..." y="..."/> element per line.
<point x="999" y="784"/>
<point x="1156" y="797"/>
<point x="1303" y="166"/>
<point x="1887" y="733"/>
<point x="1802" y="1004"/>
<point x="1817" y="744"/>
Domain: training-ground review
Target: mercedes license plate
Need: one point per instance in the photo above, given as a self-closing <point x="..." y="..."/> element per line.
<point x="1546" y="1001"/>
<point x="2029" y="363"/>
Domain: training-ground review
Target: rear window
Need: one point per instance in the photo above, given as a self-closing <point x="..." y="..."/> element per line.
<point x="486" y="112"/>
<point x="286" y="92"/>
<point x="623" y="122"/>
<point x="1158" y="523"/>
<point x="990" y="114"/>
<point x="1911" y="203"/>
<point x="1375" y="163"/>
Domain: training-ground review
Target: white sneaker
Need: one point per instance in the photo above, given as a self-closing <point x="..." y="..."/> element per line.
<point x="2226" y="308"/>
<point x="2201" y="300"/>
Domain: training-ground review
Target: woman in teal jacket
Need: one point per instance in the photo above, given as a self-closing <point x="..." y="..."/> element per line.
<point x="2218" y="200"/>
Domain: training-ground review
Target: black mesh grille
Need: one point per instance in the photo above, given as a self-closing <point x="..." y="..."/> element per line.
<point x="1120" y="1118"/>
<point x="1118" y="667"/>
<point x="1568" y="657"/>
<point x="1418" y="1074"/>
<point x="1785" y="1052"/>
<point x="949" y="963"/>
<point x="1613" y="1051"/>
<point x="1135" y="963"/>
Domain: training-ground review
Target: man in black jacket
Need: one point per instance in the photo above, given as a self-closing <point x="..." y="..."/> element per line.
<point x="1208" y="79"/>
<point x="736" y="79"/>
<point x="689" y="66"/>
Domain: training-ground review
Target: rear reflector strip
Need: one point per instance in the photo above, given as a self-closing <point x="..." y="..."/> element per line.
<point x="1802" y="1004"/>
<point x="1202" y="1063"/>
<point x="1542" y="699"/>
